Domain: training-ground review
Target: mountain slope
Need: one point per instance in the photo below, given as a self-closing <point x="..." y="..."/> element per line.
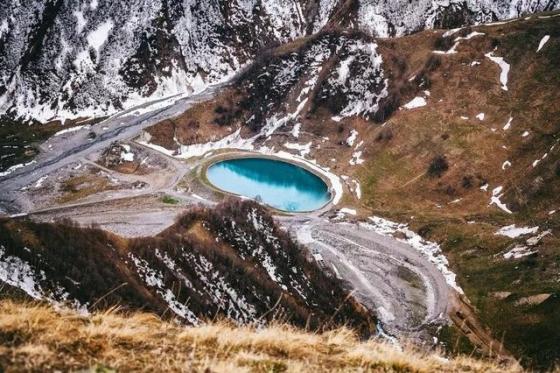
<point x="62" y="60"/>
<point x="453" y="133"/>
<point x="232" y="262"/>
<point x="461" y="145"/>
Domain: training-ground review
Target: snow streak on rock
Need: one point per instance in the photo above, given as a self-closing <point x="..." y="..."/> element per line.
<point x="18" y="273"/>
<point x="358" y="78"/>
<point x="65" y="59"/>
<point x="431" y="250"/>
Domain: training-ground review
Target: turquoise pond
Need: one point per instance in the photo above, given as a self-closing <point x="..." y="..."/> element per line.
<point x="278" y="184"/>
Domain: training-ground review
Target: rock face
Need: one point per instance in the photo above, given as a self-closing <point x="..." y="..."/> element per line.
<point x="66" y="59"/>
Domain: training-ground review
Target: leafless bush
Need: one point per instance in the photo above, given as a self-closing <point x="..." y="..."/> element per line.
<point x="438" y="166"/>
<point x="386" y="134"/>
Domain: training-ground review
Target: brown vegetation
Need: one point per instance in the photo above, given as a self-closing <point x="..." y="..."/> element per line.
<point x="438" y="166"/>
<point x="395" y="183"/>
<point x="36" y="338"/>
<point x="220" y="262"/>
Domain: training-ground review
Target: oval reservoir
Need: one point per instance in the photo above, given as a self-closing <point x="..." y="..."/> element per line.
<point x="281" y="185"/>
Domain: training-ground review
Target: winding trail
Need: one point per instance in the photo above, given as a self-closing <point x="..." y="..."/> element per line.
<point x="409" y="294"/>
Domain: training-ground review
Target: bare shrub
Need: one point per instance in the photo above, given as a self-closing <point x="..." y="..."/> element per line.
<point x="443" y="43"/>
<point x="386" y="134"/>
<point x="438" y="166"/>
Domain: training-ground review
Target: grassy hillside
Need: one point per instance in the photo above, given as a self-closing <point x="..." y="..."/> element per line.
<point x="430" y="172"/>
<point x="36" y="338"/>
<point x="434" y="167"/>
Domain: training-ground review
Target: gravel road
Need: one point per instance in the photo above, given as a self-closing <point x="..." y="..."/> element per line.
<point x="62" y="150"/>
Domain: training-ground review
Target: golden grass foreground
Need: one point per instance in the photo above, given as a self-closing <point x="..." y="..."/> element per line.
<point x="37" y="338"/>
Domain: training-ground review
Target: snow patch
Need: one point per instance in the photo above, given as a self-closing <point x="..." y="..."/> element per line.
<point x="352" y="138"/>
<point x="15" y="167"/>
<point x="512" y="231"/>
<point x="304" y="149"/>
<point x="18" y="273"/>
<point x="504" y="66"/>
<point x="357" y="189"/>
<point x="495" y="200"/>
<point x="356" y="158"/>
<point x="81" y="22"/>
<point x="69" y="130"/>
<point x="469" y="36"/>
<point x="39" y="183"/>
<point x="451" y="32"/>
<point x="452" y="50"/>
<point x="543" y="41"/>
<point x="416" y="103"/>
<point x="127" y="155"/>
<point x="296" y="130"/>
<point x="4" y="27"/>
<point x="99" y="36"/>
<point x="518" y="252"/>
<point x="536" y="162"/>
<point x="533" y="241"/>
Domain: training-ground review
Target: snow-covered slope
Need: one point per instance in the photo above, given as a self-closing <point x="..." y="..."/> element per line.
<point x="64" y="59"/>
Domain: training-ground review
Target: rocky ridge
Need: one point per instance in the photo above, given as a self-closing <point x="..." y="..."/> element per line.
<point x="65" y="59"/>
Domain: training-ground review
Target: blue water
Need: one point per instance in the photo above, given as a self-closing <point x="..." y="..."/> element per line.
<point x="278" y="184"/>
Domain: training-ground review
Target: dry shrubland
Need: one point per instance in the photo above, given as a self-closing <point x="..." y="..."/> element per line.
<point x="210" y="261"/>
<point x="37" y="338"/>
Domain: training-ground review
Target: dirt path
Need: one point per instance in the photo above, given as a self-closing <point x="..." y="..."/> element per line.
<point x="409" y="294"/>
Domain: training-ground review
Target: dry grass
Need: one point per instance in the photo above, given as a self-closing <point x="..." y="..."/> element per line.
<point x="36" y="337"/>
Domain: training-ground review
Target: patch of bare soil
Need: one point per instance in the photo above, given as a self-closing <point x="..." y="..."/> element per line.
<point x="73" y="183"/>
